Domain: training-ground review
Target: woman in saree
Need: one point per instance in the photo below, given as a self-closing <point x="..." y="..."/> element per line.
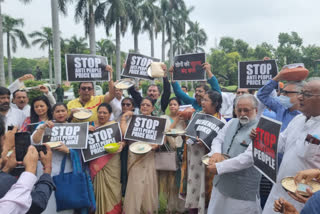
<point x="197" y="179"/>
<point x="142" y="187"/>
<point x="105" y="171"/>
<point x="169" y="181"/>
<point x="60" y="115"/>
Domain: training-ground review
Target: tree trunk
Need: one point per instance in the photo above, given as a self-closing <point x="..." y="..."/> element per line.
<point x="56" y="41"/>
<point x="92" y="32"/>
<point x="152" y="42"/>
<point x="2" y="74"/>
<point x="9" y="59"/>
<point x="50" y="64"/>
<point x="118" y="57"/>
<point x="163" y="44"/>
<point x="171" y="47"/>
<point x="136" y="45"/>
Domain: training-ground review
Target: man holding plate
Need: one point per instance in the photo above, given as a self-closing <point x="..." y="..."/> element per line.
<point x="87" y="100"/>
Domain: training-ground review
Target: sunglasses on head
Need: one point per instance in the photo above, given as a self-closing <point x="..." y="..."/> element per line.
<point x="86" y="88"/>
<point x="126" y="104"/>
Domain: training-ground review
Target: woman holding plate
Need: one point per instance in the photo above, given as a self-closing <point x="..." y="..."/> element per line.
<point x="142" y="187"/>
<point x="197" y="180"/>
<point x="60" y="115"/>
<point x="105" y="171"/>
<point x="169" y="180"/>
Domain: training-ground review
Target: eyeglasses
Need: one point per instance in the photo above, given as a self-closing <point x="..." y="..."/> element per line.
<point x="295" y="65"/>
<point x="307" y="95"/>
<point x="126" y="104"/>
<point x="288" y="92"/>
<point x="86" y="88"/>
<point x="245" y="110"/>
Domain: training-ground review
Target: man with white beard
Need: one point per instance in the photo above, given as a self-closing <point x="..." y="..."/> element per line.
<point x="236" y="184"/>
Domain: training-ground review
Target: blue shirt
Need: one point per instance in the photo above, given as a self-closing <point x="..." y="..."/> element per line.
<point x="313" y="204"/>
<point x="190" y="100"/>
<point x="283" y="114"/>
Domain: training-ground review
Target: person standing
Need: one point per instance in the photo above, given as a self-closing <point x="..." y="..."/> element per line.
<point x="60" y="93"/>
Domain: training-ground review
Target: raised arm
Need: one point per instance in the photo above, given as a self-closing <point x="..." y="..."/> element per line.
<point x="109" y="96"/>
<point x="212" y="80"/>
<point x="166" y="90"/>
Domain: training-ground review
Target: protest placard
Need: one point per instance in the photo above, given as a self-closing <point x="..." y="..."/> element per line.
<point x="255" y="74"/>
<point x="189" y="67"/>
<point x="86" y="68"/>
<point x="137" y="66"/>
<point x="147" y="129"/>
<point x="264" y="147"/>
<point x="100" y="137"/>
<point x="205" y="127"/>
<point x="73" y="135"/>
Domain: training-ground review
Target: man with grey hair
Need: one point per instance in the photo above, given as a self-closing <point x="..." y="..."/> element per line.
<point x="236" y="184"/>
<point x="300" y="144"/>
<point x="287" y="104"/>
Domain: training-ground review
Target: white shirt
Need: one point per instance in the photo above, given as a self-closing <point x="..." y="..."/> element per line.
<point x="298" y="155"/>
<point x="242" y="161"/>
<point x="25" y="110"/>
<point x="14" y="117"/>
<point x="227" y="104"/>
<point x="18" y="199"/>
<point x="116" y="107"/>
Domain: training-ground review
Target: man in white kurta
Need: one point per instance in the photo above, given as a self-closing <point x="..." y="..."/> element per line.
<point x="299" y="154"/>
<point x="236" y="185"/>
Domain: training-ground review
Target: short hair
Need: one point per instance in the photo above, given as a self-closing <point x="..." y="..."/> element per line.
<point x="86" y="82"/>
<point x="4" y="91"/>
<point x="153" y="102"/>
<point x="247" y="96"/>
<point x="130" y="100"/>
<point x="107" y="106"/>
<point x="184" y="87"/>
<point x="204" y="86"/>
<point x="58" y="104"/>
<point x="158" y="87"/>
<point x="215" y="98"/>
<point x="176" y="99"/>
<point x="19" y="90"/>
<point x="299" y="84"/>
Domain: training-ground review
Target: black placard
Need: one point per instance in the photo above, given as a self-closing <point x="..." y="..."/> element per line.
<point x="137" y="66"/>
<point x="73" y="135"/>
<point x="86" y="68"/>
<point x="99" y="138"/>
<point x="264" y="147"/>
<point x="205" y="127"/>
<point x="189" y="67"/>
<point x="146" y="129"/>
<point x="255" y="74"/>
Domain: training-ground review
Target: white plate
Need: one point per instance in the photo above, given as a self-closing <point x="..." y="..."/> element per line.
<point x="289" y="185"/>
<point x="157" y="70"/>
<point x="83" y="114"/>
<point x="140" y="148"/>
<point x="205" y="160"/>
<point x="175" y="132"/>
<point x="124" y="84"/>
<point x="54" y="144"/>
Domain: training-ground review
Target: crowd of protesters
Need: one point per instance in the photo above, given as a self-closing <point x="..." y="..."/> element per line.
<point x="124" y="182"/>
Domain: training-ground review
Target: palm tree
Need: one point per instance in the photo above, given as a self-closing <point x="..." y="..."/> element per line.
<point x="136" y="18"/>
<point x="105" y="47"/>
<point x="198" y="35"/>
<point x="152" y="23"/>
<point x="2" y="73"/>
<point x="11" y="29"/>
<point x="44" y="38"/>
<point x="110" y="13"/>
<point x="85" y="11"/>
<point x="77" y="46"/>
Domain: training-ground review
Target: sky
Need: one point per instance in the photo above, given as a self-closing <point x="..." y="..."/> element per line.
<point x="254" y="21"/>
